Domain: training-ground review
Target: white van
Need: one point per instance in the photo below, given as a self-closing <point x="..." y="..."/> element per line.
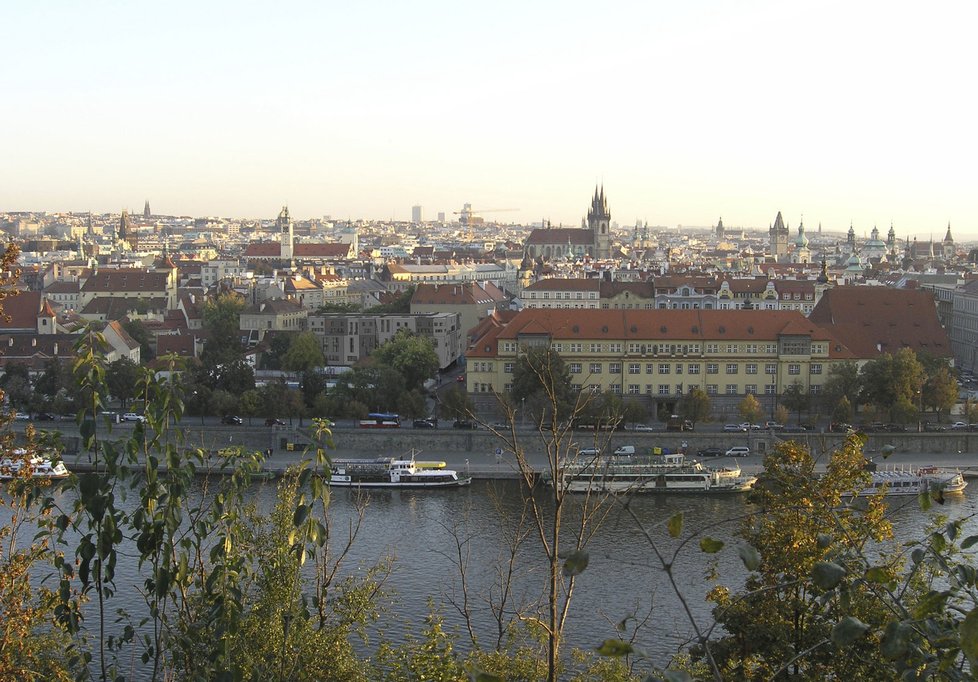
<point x="625" y="451"/>
<point x="738" y="451"/>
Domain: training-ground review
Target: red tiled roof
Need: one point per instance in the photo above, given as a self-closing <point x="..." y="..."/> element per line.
<point x="125" y="279"/>
<point x="564" y="284"/>
<point x="263" y="250"/>
<point x="338" y="250"/>
<point x="564" y="324"/>
<point x="21" y="310"/>
<point x="876" y="320"/>
<point x="454" y="294"/>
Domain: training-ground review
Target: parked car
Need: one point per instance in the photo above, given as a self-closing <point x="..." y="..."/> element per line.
<point x="934" y="427"/>
<point x="231" y="420"/>
<point x="460" y="378"/>
<point x="426" y="423"/>
<point x="22" y="417"/>
<point x="738" y="451"/>
<point x="840" y="427"/>
<point x="734" y="428"/>
<point x="45" y="417"/>
<point x="625" y="451"/>
<point x="710" y="452"/>
<point x="272" y="421"/>
<point x="463" y="424"/>
<point x="773" y="426"/>
<point x="959" y="426"/>
<point x="640" y="427"/>
<point x="589" y="452"/>
<point x="744" y="426"/>
<point x="133" y="417"/>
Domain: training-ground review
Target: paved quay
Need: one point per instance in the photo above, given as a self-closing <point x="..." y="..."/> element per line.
<point x="482" y="454"/>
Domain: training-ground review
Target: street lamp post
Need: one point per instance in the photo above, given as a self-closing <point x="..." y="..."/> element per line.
<point x="523" y="411"/>
<point x="920" y="409"/>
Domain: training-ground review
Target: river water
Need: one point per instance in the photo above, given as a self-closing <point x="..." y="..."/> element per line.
<point x="419" y="530"/>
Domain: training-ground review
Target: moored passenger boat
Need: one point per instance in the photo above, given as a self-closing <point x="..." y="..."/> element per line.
<point x="388" y="472"/>
<point x="657" y="474"/>
<point x="910" y="480"/>
<point x="11" y="467"/>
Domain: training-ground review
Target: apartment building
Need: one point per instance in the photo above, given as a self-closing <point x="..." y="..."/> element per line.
<point x="348" y="338"/>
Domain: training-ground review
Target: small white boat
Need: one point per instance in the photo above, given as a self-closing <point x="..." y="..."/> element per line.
<point x="903" y="479"/>
<point x="11" y="467"/>
<point x="657" y="474"/>
<point x="388" y="472"/>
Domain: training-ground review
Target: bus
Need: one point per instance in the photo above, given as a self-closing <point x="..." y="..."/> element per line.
<point x="381" y="420"/>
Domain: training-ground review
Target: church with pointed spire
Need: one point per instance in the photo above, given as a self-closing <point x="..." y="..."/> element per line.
<point x="779" y="235"/>
<point x="591" y="240"/>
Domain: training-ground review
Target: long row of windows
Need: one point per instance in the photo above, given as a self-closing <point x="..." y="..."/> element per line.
<point x="794" y="369"/>
<point x="634" y="348"/>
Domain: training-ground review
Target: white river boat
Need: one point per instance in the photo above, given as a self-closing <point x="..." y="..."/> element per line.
<point x="656" y="474"/>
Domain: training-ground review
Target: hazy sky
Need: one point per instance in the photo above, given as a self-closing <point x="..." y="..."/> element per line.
<point x="686" y="111"/>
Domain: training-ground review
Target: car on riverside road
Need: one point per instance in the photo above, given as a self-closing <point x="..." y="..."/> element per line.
<point x="133" y="417"/>
<point x="738" y="451"/>
<point x="734" y="428"/>
<point x="232" y="420"/>
<point x="710" y="452"/>
<point x="272" y="421"/>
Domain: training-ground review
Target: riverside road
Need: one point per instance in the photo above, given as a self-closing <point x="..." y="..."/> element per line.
<point x="484" y="454"/>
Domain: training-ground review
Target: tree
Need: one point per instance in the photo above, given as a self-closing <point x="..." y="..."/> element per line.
<point x="412" y="356"/>
<point x="305" y="353"/>
<point x="843" y="380"/>
<point x="695" y="406"/>
<point x="141" y="335"/>
<point x="400" y="305"/>
<point x="250" y="404"/>
<point x="122" y="380"/>
<point x="633" y="412"/>
<point x="781" y="414"/>
<point x="892" y="380"/>
<point x="796" y="398"/>
<point x="278" y="346"/>
<point x="940" y="391"/>
<point x="842" y="412"/>
<point x="455" y="404"/>
<point x="749" y="409"/>
<point x="541" y="382"/>
<point x="221" y="322"/>
<point x="781" y="624"/>
<point x="53" y="379"/>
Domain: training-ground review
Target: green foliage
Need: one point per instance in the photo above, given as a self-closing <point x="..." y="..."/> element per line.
<point x="305" y="353"/>
<point x="411" y="356"/>
<point x="122" y="380"/>
<point x="141" y="335"/>
<point x="803" y="548"/>
<point x="401" y="305"/>
<point x="796" y="398"/>
<point x="749" y="409"/>
<point x="892" y="382"/>
<point x="455" y="404"/>
<point x="695" y="406"/>
<point x="542" y="380"/>
<point x="221" y="324"/>
<point x="940" y="390"/>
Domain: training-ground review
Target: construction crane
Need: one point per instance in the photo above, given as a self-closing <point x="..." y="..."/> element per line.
<point x="468" y="215"/>
<point x="468" y="218"/>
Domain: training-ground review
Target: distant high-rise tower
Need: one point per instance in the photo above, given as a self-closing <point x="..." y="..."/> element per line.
<point x="779" y="238"/>
<point x="146" y="212"/>
<point x="127" y="233"/>
<point x="441" y="216"/>
<point x="599" y="222"/>
<point x="283" y="225"/>
<point x="719" y="229"/>
<point x="416" y="215"/>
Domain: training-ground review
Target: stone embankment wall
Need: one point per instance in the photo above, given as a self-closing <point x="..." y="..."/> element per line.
<point x="388" y="442"/>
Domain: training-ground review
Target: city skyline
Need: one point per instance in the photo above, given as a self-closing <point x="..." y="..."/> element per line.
<point x="841" y="113"/>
